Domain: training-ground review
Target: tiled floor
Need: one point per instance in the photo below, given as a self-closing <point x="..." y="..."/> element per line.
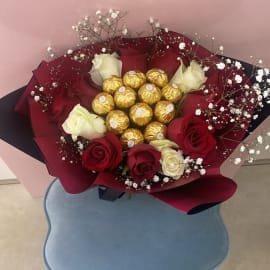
<point x="22" y="229"/>
<point x="247" y="217"/>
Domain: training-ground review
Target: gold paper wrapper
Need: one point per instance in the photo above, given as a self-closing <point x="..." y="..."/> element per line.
<point x="172" y="92"/>
<point x="164" y="111"/>
<point x="112" y="84"/>
<point x="124" y="97"/>
<point x="117" y="121"/>
<point x="131" y="137"/>
<point x="155" y="131"/>
<point x="141" y="114"/>
<point x="103" y="103"/>
<point x="149" y="93"/>
<point x="157" y="77"/>
<point x="134" y="79"/>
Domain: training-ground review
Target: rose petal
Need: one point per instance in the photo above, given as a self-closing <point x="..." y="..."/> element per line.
<point x="134" y="62"/>
<point x="167" y="62"/>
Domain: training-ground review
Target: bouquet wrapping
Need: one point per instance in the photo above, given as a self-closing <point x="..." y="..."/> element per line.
<point x="156" y="114"/>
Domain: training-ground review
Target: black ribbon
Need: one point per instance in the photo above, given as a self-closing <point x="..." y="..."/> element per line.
<point x="109" y="194"/>
<point x="15" y="129"/>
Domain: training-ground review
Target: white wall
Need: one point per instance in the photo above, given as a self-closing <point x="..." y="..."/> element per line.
<point x="5" y="172"/>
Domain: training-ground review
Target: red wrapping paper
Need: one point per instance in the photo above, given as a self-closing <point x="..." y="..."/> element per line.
<point x="184" y="194"/>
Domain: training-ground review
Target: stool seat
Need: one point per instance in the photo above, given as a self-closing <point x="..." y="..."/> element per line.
<point x="141" y="232"/>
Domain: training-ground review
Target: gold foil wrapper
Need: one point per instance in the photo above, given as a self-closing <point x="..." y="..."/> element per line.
<point x="164" y="111"/>
<point x="155" y="131"/>
<point x="149" y="93"/>
<point x="117" y="121"/>
<point x="103" y="103"/>
<point x="172" y="92"/>
<point x="134" y="79"/>
<point x="141" y="114"/>
<point x="124" y="97"/>
<point x="131" y="137"/>
<point x="112" y="84"/>
<point x="157" y="77"/>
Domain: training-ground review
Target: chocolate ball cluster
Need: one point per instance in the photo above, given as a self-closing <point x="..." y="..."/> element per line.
<point x="138" y="106"/>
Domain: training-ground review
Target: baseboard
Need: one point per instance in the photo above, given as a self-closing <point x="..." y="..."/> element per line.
<point x="258" y="162"/>
<point x="8" y="181"/>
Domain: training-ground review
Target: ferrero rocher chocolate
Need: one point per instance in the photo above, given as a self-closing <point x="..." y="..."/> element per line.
<point x="157" y="77"/>
<point x="102" y="103"/>
<point x="164" y="111"/>
<point x="111" y="84"/>
<point x="134" y="79"/>
<point x="171" y="92"/>
<point x="141" y="114"/>
<point x="155" y="131"/>
<point x="131" y="136"/>
<point x="117" y="121"/>
<point x="124" y="97"/>
<point x="149" y="93"/>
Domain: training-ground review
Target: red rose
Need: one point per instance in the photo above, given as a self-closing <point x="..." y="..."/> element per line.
<point x="192" y="135"/>
<point x="143" y="162"/>
<point x="103" y="153"/>
<point x="62" y="104"/>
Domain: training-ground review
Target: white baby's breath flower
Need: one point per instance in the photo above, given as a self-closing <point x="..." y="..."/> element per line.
<point x="237" y="161"/>
<point x="238" y="64"/>
<point x="198" y="112"/>
<point x="151" y="20"/>
<point x="220" y="66"/>
<point x="114" y="15"/>
<point x="80" y="122"/>
<point x="182" y="45"/>
<point x="259" y="78"/>
<point x="260" y="72"/>
<point x="238" y="78"/>
<point x="105" y="66"/>
<point x="190" y="78"/>
<point x="125" y="31"/>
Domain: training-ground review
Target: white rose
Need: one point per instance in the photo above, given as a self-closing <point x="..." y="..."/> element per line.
<point x="161" y="144"/>
<point x="105" y="66"/>
<point x="190" y="78"/>
<point x="172" y="163"/>
<point x="82" y="123"/>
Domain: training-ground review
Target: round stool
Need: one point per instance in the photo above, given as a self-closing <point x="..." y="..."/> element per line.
<point x="138" y="233"/>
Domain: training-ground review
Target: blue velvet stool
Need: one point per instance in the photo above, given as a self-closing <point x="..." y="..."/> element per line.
<point x="141" y="233"/>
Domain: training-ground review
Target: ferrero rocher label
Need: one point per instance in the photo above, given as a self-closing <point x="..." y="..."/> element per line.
<point x="117" y="121"/>
<point x="111" y="84"/>
<point x="124" y="97"/>
<point x="155" y="131"/>
<point x="172" y="92"/>
<point x="164" y="111"/>
<point x="102" y="103"/>
<point x="134" y="79"/>
<point x="149" y="93"/>
<point x="131" y="137"/>
<point x="157" y="77"/>
<point x="141" y="114"/>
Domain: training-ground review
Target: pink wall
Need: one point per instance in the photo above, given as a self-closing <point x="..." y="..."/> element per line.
<point x="30" y="172"/>
<point x="27" y="27"/>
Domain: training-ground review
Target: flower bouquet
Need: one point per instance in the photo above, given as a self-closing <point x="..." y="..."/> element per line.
<point x="155" y="113"/>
